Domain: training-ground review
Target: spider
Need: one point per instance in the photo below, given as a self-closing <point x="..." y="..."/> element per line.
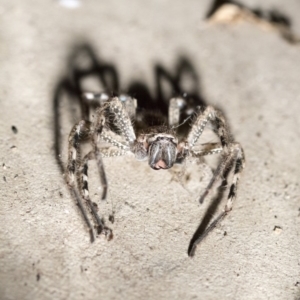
<point x="159" y="144"/>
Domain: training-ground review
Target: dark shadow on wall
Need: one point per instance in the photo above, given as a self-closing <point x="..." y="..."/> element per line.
<point x="174" y="81"/>
<point x="84" y="63"/>
<point x="207" y="224"/>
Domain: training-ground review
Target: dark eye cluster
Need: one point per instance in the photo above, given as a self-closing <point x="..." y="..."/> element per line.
<point x="167" y="139"/>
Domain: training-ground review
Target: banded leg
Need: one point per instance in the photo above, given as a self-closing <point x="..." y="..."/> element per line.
<point x="82" y="129"/>
<point x="108" y="136"/>
<point x="98" y="153"/>
<point x="83" y="184"/>
<point x="75" y="195"/>
<point x="98" y="127"/>
<point x="83" y="173"/>
<point x="121" y="119"/>
<point x="239" y="165"/>
<point x="227" y="161"/>
<point x="79" y="131"/>
<point x="210" y="114"/>
<point x="210" y="148"/>
<point x="232" y="158"/>
<point x="100" y="165"/>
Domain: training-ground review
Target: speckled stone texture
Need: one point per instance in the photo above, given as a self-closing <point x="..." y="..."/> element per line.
<point x="251" y="74"/>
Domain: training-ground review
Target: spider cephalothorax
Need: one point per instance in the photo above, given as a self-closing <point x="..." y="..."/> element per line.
<point x="162" y="152"/>
<point x="159" y="145"/>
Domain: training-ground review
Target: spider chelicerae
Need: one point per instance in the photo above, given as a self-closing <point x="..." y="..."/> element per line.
<point x="160" y="144"/>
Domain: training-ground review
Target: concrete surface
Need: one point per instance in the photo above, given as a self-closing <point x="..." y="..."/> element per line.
<point x="252" y="75"/>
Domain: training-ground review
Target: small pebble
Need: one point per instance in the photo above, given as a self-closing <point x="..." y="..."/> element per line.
<point x="277" y="229"/>
<point x="14" y="129"/>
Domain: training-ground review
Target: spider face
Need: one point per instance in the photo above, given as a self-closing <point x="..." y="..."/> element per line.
<point x="162" y="151"/>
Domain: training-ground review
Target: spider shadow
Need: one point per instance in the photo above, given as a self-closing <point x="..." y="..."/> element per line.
<point x="167" y="85"/>
<point x="81" y="63"/>
<point x="84" y="63"/>
<point x="208" y="217"/>
<point x="71" y="84"/>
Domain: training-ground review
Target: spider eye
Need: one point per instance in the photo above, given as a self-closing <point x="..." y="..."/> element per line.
<point x="167" y="139"/>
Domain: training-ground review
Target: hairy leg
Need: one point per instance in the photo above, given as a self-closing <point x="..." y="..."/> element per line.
<point x="237" y="164"/>
<point x="232" y="158"/>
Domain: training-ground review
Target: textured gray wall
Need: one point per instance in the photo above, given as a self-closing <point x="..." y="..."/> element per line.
<point x="251" y="74"/>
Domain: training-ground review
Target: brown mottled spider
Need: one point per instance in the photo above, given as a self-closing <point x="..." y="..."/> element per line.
<point x="160" y="145"/>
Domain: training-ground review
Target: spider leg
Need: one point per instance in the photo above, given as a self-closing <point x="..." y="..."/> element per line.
<point x="238" y="168"/>
<point x="123" y="123"/>
<point x="210" y="148"/>
<point x="100" y="165"/>
<point x="75" y="195"/>
<point x="80" y="129"/>
<point x="85" y="129"/>
<point x="121" y="119"/>
<point x="210" y="114"/>
<point x="83" y="175"/>
<point x="108" y="136"/>
<point x="232" y="158"/>
<point x="225" y="164"/>
<point x="111" y="152"/>
<point x="105" y="152"/>
<point x="83" y="184"/>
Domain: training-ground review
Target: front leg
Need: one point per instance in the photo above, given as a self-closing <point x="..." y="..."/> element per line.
<point x="208" y="149"/>
<point x="115" y="109"/>
<point x="238" y="163"/>
<point x="232" y="158"/>
<point x="81" y="130"/>
<point x="83" y="185"/>
<point x="214" y="116"/>
<point x="121" y="119"/>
